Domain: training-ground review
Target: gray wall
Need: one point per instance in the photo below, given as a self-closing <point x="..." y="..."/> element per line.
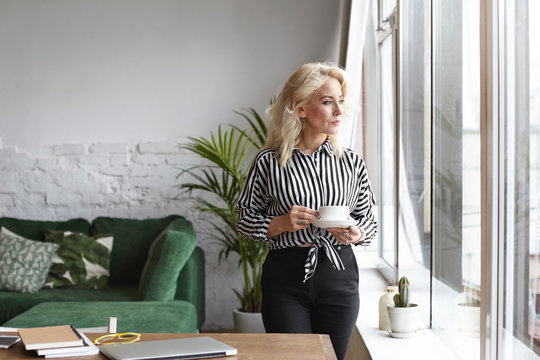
<point x="102" y="70"/>
<point x="95" y="96"/>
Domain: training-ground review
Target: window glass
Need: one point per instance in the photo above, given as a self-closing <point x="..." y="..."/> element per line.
<point x="534" y="76"/>
<point x="534" y="171"/>
<point x="455" y="191"/>
<point x="387" y="152"/>
<point x="520" y="121"/>
<point x="414" y="237"/>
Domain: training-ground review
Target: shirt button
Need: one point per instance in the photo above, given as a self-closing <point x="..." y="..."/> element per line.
<point x="339" y="248"/>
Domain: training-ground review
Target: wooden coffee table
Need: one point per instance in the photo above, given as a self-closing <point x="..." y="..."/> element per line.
<point x="250" y="346"/>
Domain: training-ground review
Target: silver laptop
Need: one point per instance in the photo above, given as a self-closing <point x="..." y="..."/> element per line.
<point x="186" y="348"/>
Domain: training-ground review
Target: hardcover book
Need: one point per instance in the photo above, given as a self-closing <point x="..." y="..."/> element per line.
<point x="87" y="349"/>
<point x="48" y="337"/>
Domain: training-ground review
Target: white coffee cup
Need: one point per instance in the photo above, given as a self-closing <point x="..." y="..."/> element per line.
<point x="334" y="212"/>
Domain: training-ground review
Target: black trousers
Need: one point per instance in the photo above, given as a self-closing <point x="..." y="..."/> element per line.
<point x="327" y="303"/>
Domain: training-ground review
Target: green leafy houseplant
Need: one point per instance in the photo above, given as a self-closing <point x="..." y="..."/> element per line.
<point x="227" y="156"/>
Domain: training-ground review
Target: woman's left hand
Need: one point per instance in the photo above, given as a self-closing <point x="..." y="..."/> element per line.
<point x="349" y="235"/>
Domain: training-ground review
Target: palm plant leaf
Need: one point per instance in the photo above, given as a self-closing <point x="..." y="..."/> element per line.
<point x="219" y="151"/>
<point x="223" y="176"/>
<point x="258" y="127"/>
<point x="226" y="188"/>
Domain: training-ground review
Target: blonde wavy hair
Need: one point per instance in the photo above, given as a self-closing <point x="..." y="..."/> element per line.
<point x="285" y="125"/>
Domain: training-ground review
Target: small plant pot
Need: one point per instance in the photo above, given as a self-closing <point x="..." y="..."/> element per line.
<point x="403" y="320"/>
<point x="468" y="319"/>
<point x="246" y="322"/>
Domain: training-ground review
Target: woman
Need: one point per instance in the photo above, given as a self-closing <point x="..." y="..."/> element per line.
<point x="310" y="276"/>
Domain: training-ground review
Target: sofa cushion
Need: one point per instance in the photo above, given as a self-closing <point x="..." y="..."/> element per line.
<point x="81" y="260"/>
<point x="132" y="240"/>
<point x="14" y="303"/>
<point x="132" y="316"/>
<point x="190" y="285"/>
<point x="24" y="263"/>
<point x="167" y="256"/>
<point x="35" y="229"/>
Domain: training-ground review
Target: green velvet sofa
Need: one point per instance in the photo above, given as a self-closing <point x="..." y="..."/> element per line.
<point x="156" y="281"/>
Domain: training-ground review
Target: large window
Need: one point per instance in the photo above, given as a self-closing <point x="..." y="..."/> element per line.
<point x="459" y="172"/>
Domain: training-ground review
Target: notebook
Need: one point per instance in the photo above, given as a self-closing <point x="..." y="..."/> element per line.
<point x="48" y="337"/>
<point x="187" y="348"/>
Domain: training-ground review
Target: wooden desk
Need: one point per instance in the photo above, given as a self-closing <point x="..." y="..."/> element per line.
<point x="250" y="346"/>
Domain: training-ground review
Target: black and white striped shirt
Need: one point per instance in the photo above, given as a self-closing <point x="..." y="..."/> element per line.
<point x="310" y="181"/>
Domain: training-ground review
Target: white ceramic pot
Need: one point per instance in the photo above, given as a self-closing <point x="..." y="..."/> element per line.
<point x="468" y="319"/>
<point x="403" y="320"/>
<point x="245" y="322"/>
<point x="386" y="299"/>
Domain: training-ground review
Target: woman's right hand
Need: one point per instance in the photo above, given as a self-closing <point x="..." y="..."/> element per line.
<point x="298" y="218"/>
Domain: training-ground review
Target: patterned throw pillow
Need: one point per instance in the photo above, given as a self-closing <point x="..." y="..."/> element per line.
<point x="82" y="261"/>
<point x="24" y="263"/>
<point x="6" y="231"/>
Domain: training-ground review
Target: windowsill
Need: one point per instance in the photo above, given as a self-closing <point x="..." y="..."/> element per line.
<point x="380" y="345"/>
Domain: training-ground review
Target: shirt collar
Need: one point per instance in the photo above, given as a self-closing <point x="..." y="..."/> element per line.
<point x="326" y="146"/>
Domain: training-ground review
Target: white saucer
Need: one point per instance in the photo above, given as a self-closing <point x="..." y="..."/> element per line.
<point x="334" y="223"/>
<point x="402" y="335"/>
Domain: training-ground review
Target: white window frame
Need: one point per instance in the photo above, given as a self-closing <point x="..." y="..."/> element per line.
<point x="390" y="27"/>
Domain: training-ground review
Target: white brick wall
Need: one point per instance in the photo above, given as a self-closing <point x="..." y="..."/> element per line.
<point x="158" y="148"/>
<point x="135" y="180"/>
<point x="108" y="149"/>
<point x="69" y="149"/>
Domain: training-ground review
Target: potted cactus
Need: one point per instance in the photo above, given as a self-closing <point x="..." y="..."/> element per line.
<point x="402" y="314"/>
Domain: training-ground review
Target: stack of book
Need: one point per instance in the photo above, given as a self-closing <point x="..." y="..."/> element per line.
<point x="57" y="341"/>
